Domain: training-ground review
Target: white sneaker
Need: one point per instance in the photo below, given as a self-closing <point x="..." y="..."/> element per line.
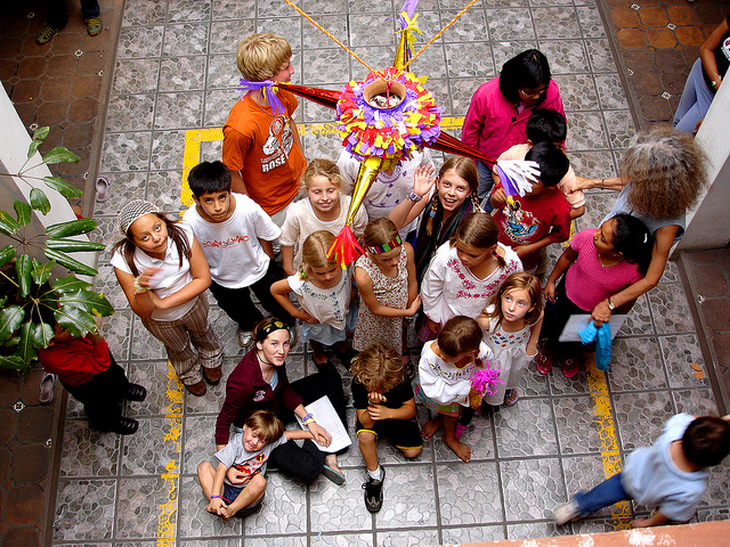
<point x="244" y="338"/>
<point x="567" y="513"/>
<point x="47" y="388"/>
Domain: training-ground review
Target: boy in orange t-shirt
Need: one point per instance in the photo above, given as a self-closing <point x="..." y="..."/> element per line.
<point x="262" y="148"/>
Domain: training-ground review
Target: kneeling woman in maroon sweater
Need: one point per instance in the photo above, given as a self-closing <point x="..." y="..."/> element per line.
<point x="259" y="382"/>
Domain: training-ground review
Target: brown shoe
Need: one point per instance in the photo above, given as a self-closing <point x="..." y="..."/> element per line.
<point x="213" y="375"/>
<point x="197" y="389"/>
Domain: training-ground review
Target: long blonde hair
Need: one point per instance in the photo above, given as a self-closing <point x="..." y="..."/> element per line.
<point x="314" y="252"/>
<point x="517" y="281"/>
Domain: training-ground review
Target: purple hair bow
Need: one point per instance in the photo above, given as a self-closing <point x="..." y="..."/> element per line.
<point x="269" y="89"/>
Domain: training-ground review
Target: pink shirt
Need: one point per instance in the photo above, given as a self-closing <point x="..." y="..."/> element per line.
<point x="493" y="124"/>
<point x="587" y="282"/>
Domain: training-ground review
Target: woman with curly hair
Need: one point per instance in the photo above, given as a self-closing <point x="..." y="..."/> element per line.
<point x="660" y="178"/>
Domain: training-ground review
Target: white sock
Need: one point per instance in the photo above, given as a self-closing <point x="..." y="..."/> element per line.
<point x="376" y="475"/>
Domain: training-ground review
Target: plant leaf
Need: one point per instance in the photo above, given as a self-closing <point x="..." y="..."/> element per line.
<point x="75" y="320"/>
<point x="92" y="302"/>
<point x="10" y="319"/>
<point x="71" y="283"/>
<point x="33" y="148"/>
<point x="23" y="266"/>
<point x="7" y="253"/>
<point x="12" y="362"/>
<point x="8" y="226"/>
<point x="70" y="227"/>
<point x="41" y="133"/>
<point x="73" y="245"/>
<point x="23" y="211"/>
<point x="42" y="273"/>
<point x="39" y="201"/>
<point x="3" y="300"/>
<point x="70" y="263"/>
<point x="26" y="348"/>
<point x="42" y="335"/>
<point x="63" y="187"/>
<point x="60" y="154"/>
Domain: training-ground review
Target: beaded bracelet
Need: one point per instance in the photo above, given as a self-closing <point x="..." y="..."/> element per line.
<point x="307" y="416"/>
<point x="139" y="289"/>
<point x="309" y="421"/>
<point x="213" y="497"/>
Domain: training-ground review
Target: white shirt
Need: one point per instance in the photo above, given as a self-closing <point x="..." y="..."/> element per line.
<point x="232" y="247"/>
<point x="169" y="280"/>
<point x="442" y="381"/>
<point x="328" y="306"/>
<point x="388" y="190"/>
<point x="449" y="288"/>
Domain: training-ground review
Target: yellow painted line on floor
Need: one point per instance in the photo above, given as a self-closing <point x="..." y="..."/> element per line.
<point x="610" y="455"/>
<point x="166" y="519"/>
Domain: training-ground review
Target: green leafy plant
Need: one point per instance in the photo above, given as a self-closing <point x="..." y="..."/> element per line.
<point x="28" y="281"/>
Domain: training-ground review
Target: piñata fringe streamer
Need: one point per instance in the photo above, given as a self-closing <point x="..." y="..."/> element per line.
<point x="269" y="89"/>
<point x="517" y="177"/>
<point x="345" y="248"/>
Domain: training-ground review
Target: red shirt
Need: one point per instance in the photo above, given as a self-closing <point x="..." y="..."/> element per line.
<point x="533" y="218"/>
<point x="76" y="361"/>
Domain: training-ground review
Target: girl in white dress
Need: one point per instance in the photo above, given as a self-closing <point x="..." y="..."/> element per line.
<point x="324" y="292"/>
<point x="511" y="325"/>
<point x="465" y="273"/>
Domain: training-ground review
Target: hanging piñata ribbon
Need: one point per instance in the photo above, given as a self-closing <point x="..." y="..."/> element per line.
<point x="269" y="90"/>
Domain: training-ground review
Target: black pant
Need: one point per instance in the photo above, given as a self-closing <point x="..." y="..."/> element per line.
<point x="103" y="396"/>
<point x="557" y="314"/>
<point x="306" y="463"/>
<point x="238" y="305"/>
<point x="57" y="16"/>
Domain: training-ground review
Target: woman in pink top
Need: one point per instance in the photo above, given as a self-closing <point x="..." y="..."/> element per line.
<point x="500" y="108"/>
<point x="599" y="263"/>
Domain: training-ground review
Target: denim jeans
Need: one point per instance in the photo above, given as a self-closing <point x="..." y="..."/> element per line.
<point x="607" y="493"/>
<point x="486" y="182"/>
<point x="57" y="16"/>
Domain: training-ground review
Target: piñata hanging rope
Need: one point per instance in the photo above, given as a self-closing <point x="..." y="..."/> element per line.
<point x="335" y="40"/>
<point x="432" y="40"/>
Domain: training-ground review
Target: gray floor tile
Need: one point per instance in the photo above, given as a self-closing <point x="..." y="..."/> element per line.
<point x="179" y="110"/>
<point x="217" y="542"/>
<point x="222" y="33"/>
<point x="282" y="513"/>
<point x="136" y="76"/>
<point x="126" y="151"/>
<point x="555" y="22"/>
<point x="180" y="11"/>
<point x="163" y="188"/>
<point x="123" y="187"/>
<point x="461" y="64"/>
<point x="475" y="534"/>
<point x="469" y="493"/>
<point x="641" y="417"/>
<point x="528" y="530"/>
<point x="636" y="365"/>
<point x="506" y="24"/>
<point x="582" y="473"/>
<point x="695" y="401"/>
<point x="578" y="92"/>
<point x="182" y="73"/>
<point x="88" y="453"/>
<point x="406" y="538"/>
<point x="345" y="540"/>
<point x="144" y="12"/>
<point x="139" y="507"/>
<point x="478" y="437"/>
<point x="140" y="42"/>
<point x="186" y="39"/>
<point x="681" y="354"/>
<point x="130" y="112"/>
<point x="531" y="488"/>
<point x="199" y="442"/>
<point x="566" y="57"/>
<point x="147" y="452"/>
<point x="638" y="321"/>
<point x="526" y="429"/>
<point x="337" y="508"/>
<point x="670" y="309"/>
<point x="577" y="431"/>
<point x="84" y="509"/>
<point x="409" y="498"/>
<point x="610" y="92"/>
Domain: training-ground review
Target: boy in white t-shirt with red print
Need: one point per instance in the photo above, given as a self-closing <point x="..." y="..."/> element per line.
<point x="235" y="234"/>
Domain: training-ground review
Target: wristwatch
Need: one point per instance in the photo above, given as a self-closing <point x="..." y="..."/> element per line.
<point x="611" y="305"/>
<point x="415" y="198"/>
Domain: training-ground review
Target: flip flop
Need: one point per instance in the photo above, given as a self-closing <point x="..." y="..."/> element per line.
<point x="570" y="367"/>
<point x="332" y="474"/>
<point x="511" y="396"/>
<point x="102" y="189"/>
<point x="544" y="361"/>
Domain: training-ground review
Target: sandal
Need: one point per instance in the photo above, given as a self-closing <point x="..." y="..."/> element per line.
<point x="570" y="367"/>
<point x="102" y="189"/>
<point x="544" y="361"/>
<point x="511" y="396"/>
<point x="332" y="474"/>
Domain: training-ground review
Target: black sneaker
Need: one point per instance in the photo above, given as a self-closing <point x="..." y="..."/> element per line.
<point x="126" y="426"/>
<point x="374" y="493"/>
<point x="135" y="392"/>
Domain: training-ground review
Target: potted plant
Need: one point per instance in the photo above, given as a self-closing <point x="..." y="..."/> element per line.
<point x="27" y="268"/>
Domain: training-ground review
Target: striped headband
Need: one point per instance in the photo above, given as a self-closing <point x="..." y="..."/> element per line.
<point x="380" y="249"/>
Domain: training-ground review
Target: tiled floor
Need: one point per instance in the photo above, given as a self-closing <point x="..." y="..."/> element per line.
<point x="175" y="72"/>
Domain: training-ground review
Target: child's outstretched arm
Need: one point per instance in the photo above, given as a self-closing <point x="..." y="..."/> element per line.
<point x="280" y="291"/>
<point x="295" y="434"/>
<point x="566" y="259"/>
<point x="365" y="286"/>
<point x="216" y="504"/>
<point x="412" y="280"/>
<point x="287" y="259"/>
<point x="201" y="281"/>
<point x="531" y="349"/>
<point x="655" y="519"/>
<point x="407" y="210"/>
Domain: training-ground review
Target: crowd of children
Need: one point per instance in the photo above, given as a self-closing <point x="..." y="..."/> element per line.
<point x="463" y="278"/>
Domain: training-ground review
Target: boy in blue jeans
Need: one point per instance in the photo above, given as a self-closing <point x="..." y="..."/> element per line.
<point x="669" y="475"/>
<point x="236" y="235"/>
<point x="237" y="486"/>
